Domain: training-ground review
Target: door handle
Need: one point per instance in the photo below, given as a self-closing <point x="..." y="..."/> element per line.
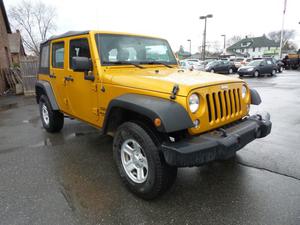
<point x="51" y="75"/>
<point x="69" y="78"/>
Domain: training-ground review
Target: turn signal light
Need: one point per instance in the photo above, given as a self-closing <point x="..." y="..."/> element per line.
<point x="157" y="122"/>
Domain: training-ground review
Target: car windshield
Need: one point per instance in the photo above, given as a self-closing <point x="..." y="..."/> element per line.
<point x="213" y="63"/>
<point x="255" y="63"/>
<point x="125" y="49"/>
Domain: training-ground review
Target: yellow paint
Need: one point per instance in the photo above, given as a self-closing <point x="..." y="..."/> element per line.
<point x="85" y="100"/>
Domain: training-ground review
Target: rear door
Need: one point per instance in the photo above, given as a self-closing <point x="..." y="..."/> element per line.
<point x="57" y="73"/>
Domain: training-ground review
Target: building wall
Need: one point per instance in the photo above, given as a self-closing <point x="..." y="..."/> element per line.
<point x="5" y="59"/>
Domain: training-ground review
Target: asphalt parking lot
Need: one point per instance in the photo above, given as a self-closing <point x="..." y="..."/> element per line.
<point x="70" y="177"/>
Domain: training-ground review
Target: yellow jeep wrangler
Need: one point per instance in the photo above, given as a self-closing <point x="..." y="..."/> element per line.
<point x="130" y="86"/>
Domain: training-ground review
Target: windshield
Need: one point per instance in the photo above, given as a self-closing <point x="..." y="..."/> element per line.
<point x="255" y="63"/>
<point x="125" y="49"/>
<point x="212" y="63"/>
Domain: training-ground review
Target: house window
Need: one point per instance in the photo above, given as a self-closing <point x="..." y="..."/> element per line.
<point x="58" y="50"/>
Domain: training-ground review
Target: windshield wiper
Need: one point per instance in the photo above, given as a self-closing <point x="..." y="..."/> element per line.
<point x="157" y="62"/>
<point x="124" y="63"/>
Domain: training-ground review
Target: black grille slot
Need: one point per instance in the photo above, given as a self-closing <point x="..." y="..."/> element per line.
<point x="215" y="106"/>
<point x="239" y="99"/>
<point x="208" y="107"/>
<point x="234" y="99"/>
<point x="221" y="104"/>
<point x="226" y="104"/>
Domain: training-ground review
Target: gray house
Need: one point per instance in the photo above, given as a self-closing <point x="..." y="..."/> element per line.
<point x="255" y="47"/>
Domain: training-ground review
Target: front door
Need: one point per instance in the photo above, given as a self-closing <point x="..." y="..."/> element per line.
<point x="82" y="94"/>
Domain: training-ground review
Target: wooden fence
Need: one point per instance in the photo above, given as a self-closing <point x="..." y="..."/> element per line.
<point x="29" y="71"/>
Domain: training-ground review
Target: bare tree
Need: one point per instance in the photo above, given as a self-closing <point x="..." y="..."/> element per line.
<point x="233" y="40"/>
<point x="35" y="22"/>
<point x="288" y="35"/>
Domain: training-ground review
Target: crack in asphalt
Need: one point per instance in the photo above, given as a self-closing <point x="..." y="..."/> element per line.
<point x="268" y="170"/>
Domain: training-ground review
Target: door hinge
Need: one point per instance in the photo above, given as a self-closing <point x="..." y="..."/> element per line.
<point x="94" y="87"/>
<point x="66" y="101"/>
<point x="96" y="111"/>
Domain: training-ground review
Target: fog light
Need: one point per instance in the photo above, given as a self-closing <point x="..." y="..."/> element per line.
<point x="196" y="123"/>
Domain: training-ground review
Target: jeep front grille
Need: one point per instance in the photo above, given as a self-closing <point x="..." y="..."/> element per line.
<point x="223" y="105"/>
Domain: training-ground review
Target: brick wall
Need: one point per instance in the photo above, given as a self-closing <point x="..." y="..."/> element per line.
<point x="5" y="58"/>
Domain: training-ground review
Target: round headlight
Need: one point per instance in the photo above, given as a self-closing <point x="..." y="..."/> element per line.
<point x="194" y="103"/>
<point x="244" y="91"/>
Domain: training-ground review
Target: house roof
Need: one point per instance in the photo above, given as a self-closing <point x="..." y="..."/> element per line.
<point x="8" y="30"/>
<point x="254" y="42"/>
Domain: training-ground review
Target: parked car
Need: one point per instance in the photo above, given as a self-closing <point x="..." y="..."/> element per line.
<point x="186" y="65"/>
<point x="192" y="64"/>
<point x="238" y="62"/>
<point x="278" y="62"/>
<point x="258" y="67"/>
<point x="130" y="87"/>
<point x="221" y="66"/>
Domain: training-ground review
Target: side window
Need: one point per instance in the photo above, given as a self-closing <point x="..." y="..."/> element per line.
<point x="79" y="47"/>
<point x="269" y="62"/>
<point x="58" y="50"/>
<point x="44" y="57"/>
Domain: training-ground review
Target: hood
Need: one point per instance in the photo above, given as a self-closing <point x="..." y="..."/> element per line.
<point x="164" y="80"/>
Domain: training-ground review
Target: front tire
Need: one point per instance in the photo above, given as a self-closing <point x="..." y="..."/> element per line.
<point x="256" y="73"/>
<point x="52" y="120"/>
<point x="212" y="70"/>
<point x="273" y="72"/>
<point x="230" y="71"/>
<point x="140" y="164"/>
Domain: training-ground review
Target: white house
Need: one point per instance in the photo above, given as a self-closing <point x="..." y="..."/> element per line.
<point x="255" y="47"/>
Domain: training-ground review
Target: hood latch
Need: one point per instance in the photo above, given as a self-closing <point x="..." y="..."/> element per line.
<point x="174" y="91"/>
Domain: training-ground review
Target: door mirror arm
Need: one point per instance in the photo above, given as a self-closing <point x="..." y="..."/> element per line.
<point x="89" y="76"/>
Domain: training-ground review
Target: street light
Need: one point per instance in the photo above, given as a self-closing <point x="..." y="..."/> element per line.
<point x="224" y="36"/>
<point x="189" y="40"/>
<point x="204" y="33"/>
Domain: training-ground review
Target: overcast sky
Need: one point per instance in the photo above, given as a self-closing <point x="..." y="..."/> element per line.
<point x="176" y="20"/>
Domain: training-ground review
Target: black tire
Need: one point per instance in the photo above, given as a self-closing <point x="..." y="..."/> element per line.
<point x="256" y="73"/>
<point x="273" y="73"/>
<point x="212" y="71"/>
<point x="160" y="176"/>
<point x="55" y="120"/>
<point x="230" y="71"/>
<point x="280" y="69"/>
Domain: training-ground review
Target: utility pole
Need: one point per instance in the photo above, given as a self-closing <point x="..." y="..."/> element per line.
<point x="282" y="29"/>
<point x="189" y="40"/>
<point x="224" y="36"/>
<point x="204" y="32"/>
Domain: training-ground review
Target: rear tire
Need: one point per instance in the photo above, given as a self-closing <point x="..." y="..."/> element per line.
<point x="52" y="120"/>
<point x="212" y="71"/>
<point x="157" y="177"/>
<point x="230" y="71"/>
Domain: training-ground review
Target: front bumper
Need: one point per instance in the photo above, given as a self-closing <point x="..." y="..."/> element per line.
<point x="246" y="72"/>
<point x="218" y="144"/>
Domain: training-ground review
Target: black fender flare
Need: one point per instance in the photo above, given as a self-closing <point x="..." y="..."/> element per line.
<point x="173" y="116"/>
<point x="46" y="87"/>
<point x="255" y="97"/>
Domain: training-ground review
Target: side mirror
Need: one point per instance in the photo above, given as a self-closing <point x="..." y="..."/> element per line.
<point x="81" y="64"/>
